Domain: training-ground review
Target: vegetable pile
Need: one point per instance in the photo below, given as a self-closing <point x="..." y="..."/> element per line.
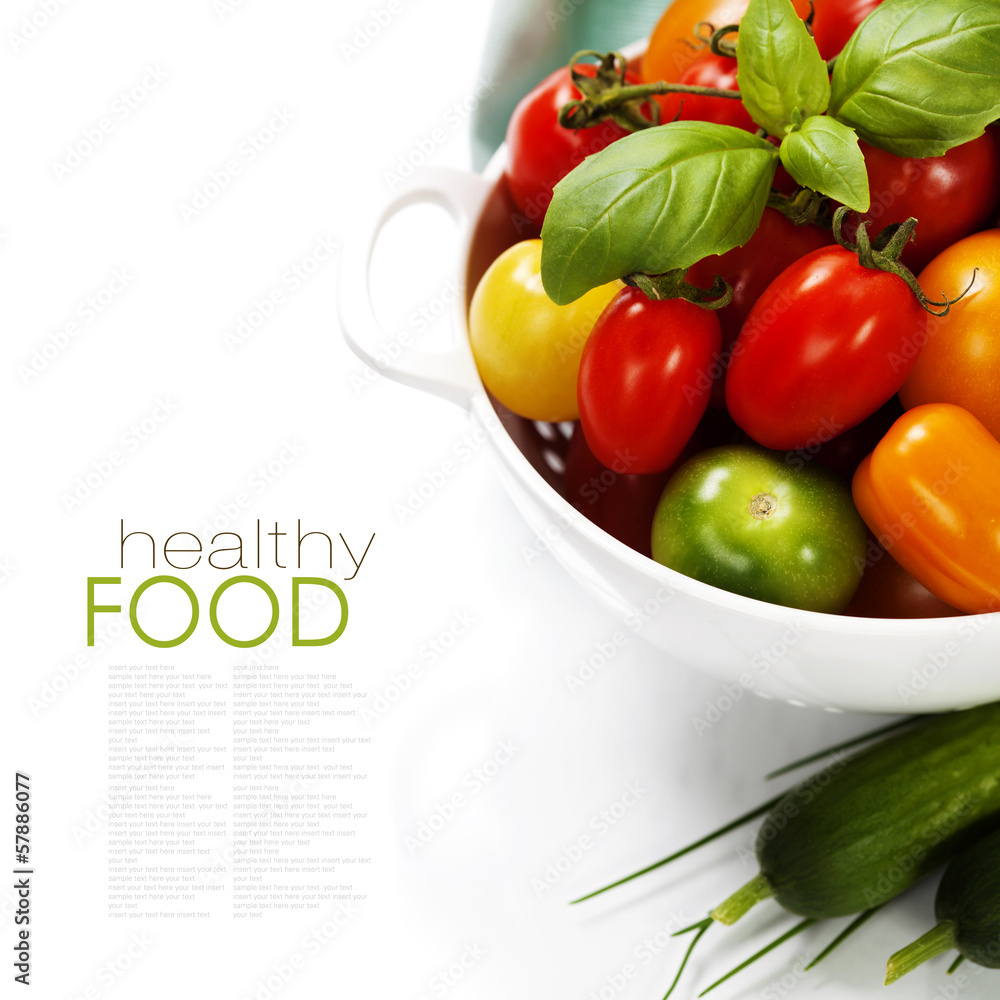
<point x="852" y="837"/>
<point x="720" y="289"/>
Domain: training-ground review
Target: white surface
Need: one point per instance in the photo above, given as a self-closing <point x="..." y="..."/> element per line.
<point x="365" y="449"/>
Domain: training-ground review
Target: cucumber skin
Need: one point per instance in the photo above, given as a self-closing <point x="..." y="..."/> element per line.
<point x="969" y="896"/>
<point x="864" y="829"/>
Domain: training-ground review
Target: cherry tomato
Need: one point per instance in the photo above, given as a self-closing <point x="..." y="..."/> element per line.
<point x="824" y="347"/>
<point x="621" y="503"/>
<point x="845" y="452"/>
<point x="775" y="245"/>
<point x="707" y="70"/>
<point x="742" y="519"/>
<point x="644" y="379"/>
<point x="836" y="20"/>
<point x="616" y="500"/>
<point x="527" y="348"/>
<point x="710" y="70"/>
<point x="888" y="591"/>
<point x="674" y="44"/>
<point x="951" y="195"/>
<point x="540" y="151"/>
<point x="959" y="354"/>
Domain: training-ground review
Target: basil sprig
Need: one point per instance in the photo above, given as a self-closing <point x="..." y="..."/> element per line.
<point x="781" y="74"/>
<point x="655" y="201"/>
<point x="917" y="78"/>
<point x="824" y="155"/>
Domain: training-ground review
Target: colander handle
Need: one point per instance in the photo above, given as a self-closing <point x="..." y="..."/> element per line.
<point x="451" y="374"/>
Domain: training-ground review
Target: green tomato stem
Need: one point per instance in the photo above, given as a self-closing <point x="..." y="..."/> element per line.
<point x="607" y="95"/>
<point x="719" y="46"/>
<point x="805" y="206"/>
<point x="672" y="285"/>
<point x="882" y="254"/>
<point x="934" y="942"/>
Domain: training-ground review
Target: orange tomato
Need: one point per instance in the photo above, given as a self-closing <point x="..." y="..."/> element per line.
<point x="959" y="360"/>
<point x="930" y="492"/>
<point x="674" y="44"/>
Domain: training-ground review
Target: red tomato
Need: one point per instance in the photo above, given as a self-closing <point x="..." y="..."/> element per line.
<point x="623" y="504"/>
<point x="540" y="151"/>
<point x="888" y="591"/>
<point x="845" y="452"/>
<point x="950" y="196"/>
<point x="750" y="268"/>
<point x="645" y="380"/>
<point x="707" y="70"/>
<point x="836" y="20"/>
<point x="824" y="347"/>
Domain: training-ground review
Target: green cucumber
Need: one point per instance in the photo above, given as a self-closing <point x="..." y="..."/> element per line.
<point x="858" y="833"/>
<point x="866" y="827"/>
<point x="967" y="908"/>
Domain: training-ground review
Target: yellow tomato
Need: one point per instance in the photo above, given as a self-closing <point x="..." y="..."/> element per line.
<point x="527" y="348"/>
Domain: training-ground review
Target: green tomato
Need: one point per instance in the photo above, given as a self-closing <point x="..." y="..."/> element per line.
<point x="745" y="520"/>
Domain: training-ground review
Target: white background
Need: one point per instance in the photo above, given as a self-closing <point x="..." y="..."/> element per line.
<point x="473" y="888"/>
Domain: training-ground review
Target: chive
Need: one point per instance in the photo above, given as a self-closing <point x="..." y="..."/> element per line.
<point x="858" y="921"/>
<point x="759" y="811"/>
<point x="797" y="929"/>
<point x="702" y="926"/>
<point x="884" y="731"/>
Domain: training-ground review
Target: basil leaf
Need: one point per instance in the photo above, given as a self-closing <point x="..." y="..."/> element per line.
<point x="824" y="155"/>
<point x="654" y="201"/>
<point x="780" y="70"/>
<point x="918" y="78"/>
